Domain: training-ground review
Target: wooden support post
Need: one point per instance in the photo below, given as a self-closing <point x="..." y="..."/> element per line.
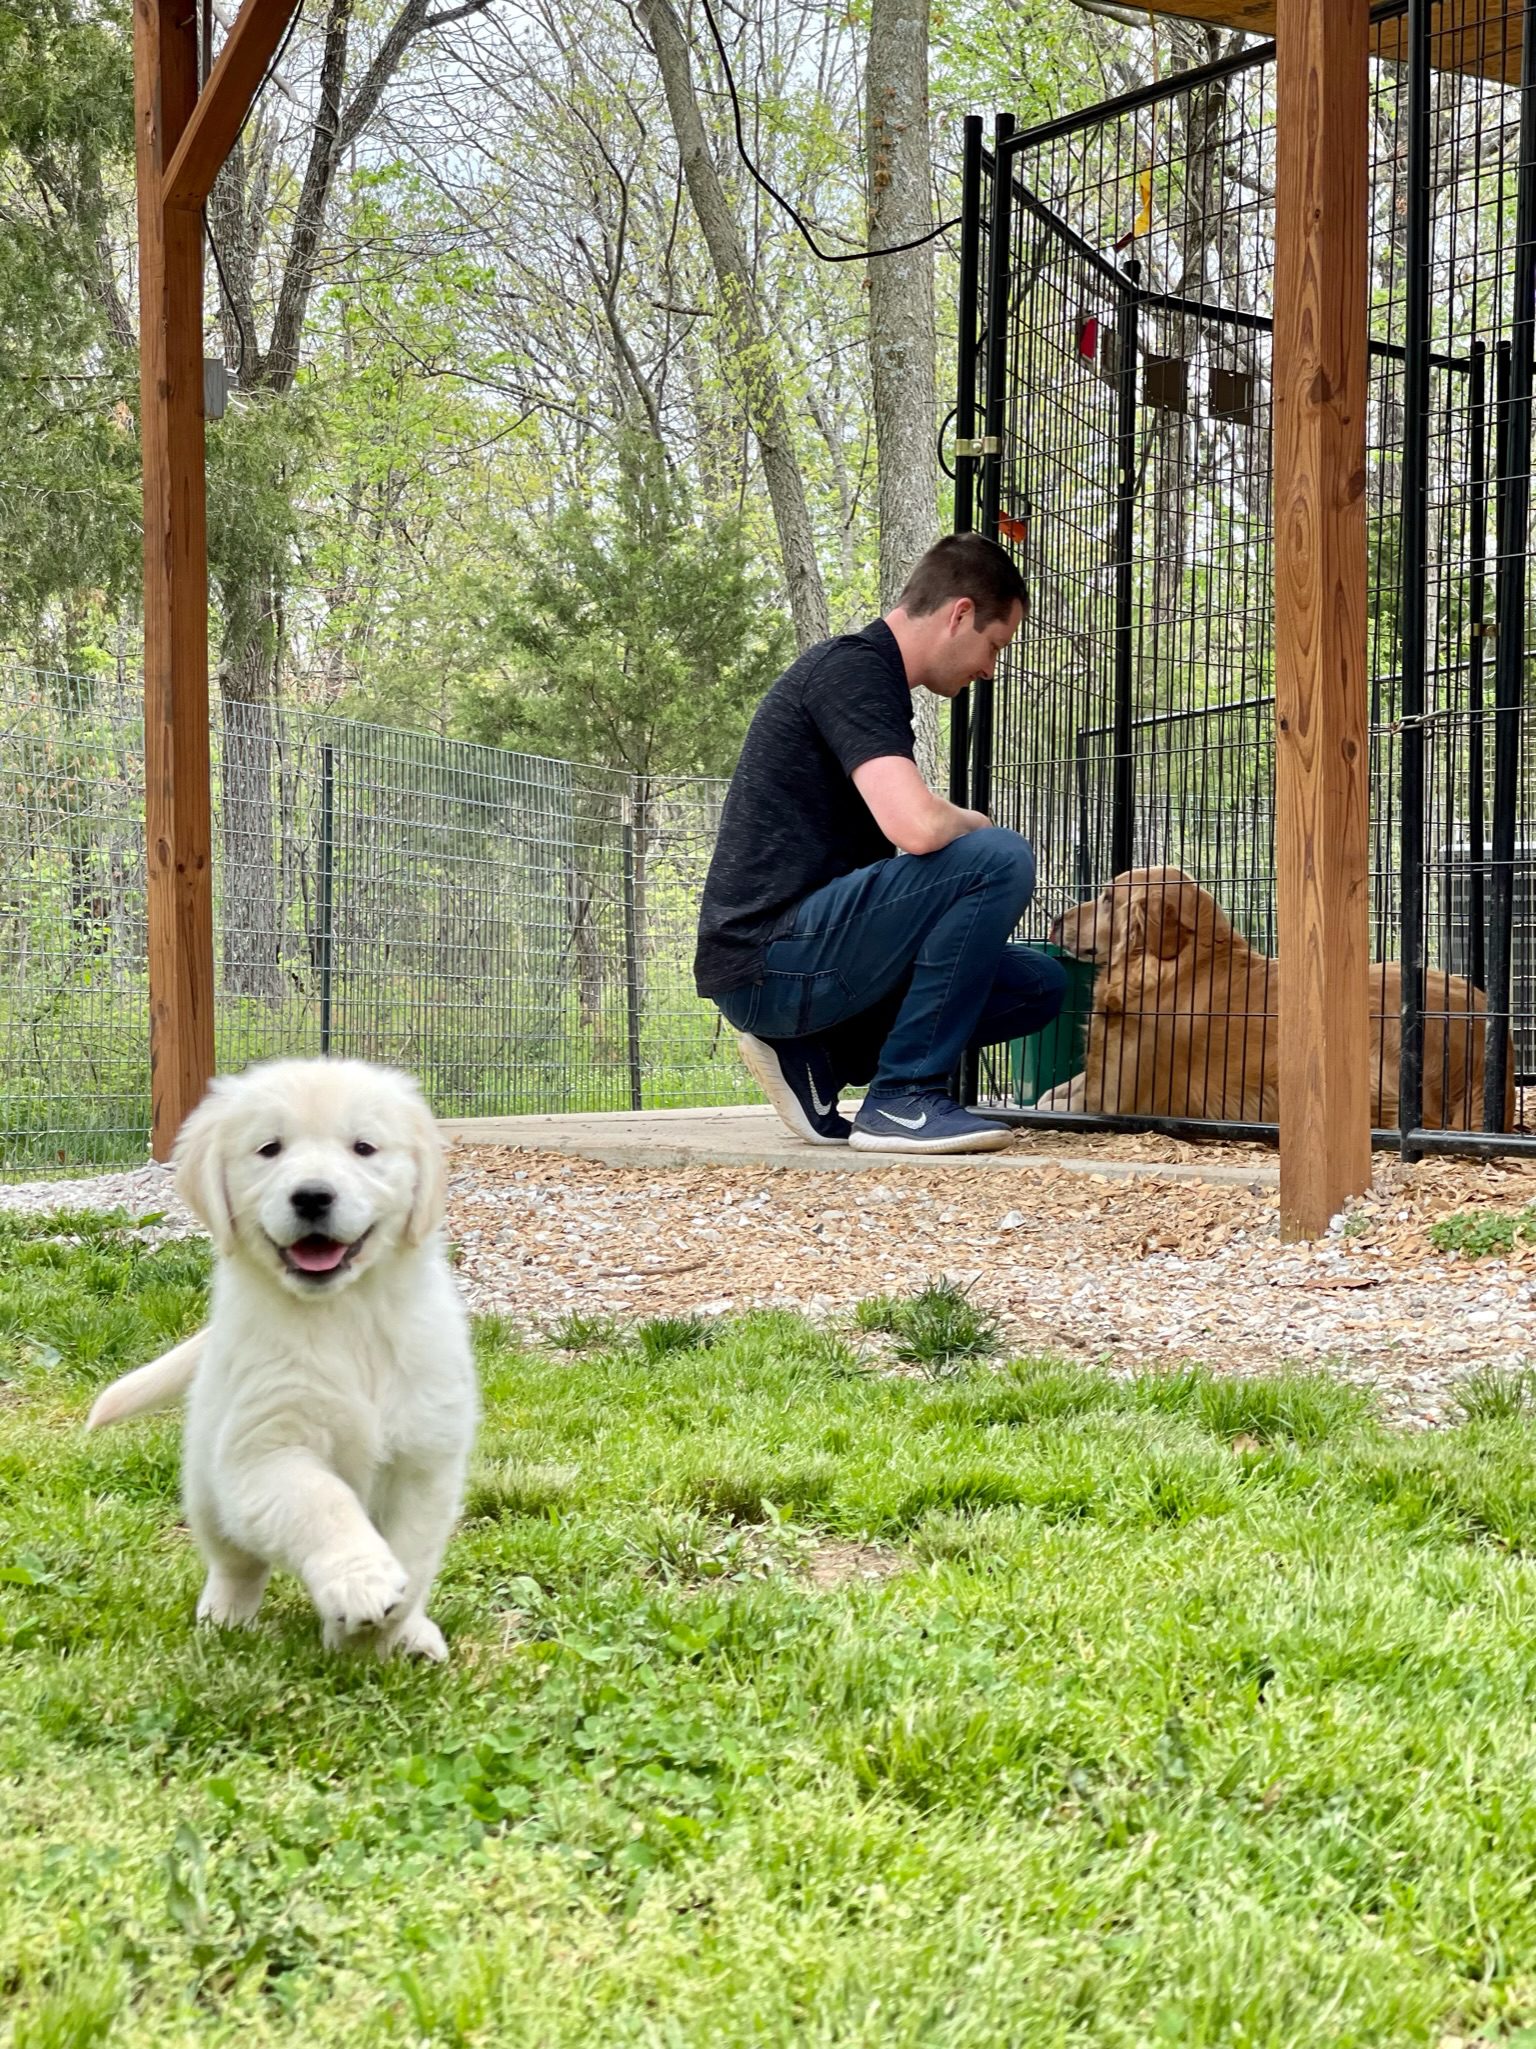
<point x="177" y="842"/>
<point x="207" y="138"/>
<point x="181" y="142"/>
<point x="1321" y="693"/>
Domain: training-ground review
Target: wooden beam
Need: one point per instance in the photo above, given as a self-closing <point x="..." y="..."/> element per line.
<point x="1256" y="16"/>
<point x="1470" y="35"/>
<point x="1321" y="752"/>
<point x="176" y="801"/>
<point x="209" y="135"/>
<point x="1465" y="35"/>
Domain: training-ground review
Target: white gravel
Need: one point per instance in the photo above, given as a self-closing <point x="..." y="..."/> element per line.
<point x="139" y="1190"/>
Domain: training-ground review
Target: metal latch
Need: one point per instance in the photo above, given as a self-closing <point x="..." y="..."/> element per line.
<point x="989" y="444"/>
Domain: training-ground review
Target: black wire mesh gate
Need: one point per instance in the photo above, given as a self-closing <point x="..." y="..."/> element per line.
<point x="1113" y="427"/>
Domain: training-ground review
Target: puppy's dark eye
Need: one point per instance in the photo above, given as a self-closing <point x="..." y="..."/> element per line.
<point x="271" y="1149"/>
<point x="363" y="1149"/>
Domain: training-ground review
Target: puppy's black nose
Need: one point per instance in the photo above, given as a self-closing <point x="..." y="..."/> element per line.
<point x="312" y="1199"/>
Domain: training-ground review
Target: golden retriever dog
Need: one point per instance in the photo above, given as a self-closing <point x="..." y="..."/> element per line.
<point x="1185" y="1016"/>
<point x="331" y="1400"/>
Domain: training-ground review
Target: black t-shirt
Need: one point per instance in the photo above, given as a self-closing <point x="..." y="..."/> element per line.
<point x="792" y="819"/>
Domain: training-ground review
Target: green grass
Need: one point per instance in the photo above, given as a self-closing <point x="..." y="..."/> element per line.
<point x="1193" y="1712"/>
<point x="577" y="1332"/>
<point x="1479" y="1233"/>
<point x="939" y="1330"/>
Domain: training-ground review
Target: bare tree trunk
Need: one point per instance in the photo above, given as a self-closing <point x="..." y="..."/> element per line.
<point x="901" y="319"/>
<point x="248" y="922"/>
<point x="752" y="366"/>
<point x="252" y="592"/>
<point x="584" y="944"/>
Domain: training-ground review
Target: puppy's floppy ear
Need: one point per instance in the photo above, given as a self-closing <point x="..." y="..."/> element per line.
<point x="199" y="1163"/>
<point x="429" y="1204"/>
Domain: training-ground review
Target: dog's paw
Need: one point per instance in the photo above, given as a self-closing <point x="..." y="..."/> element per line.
<point x="418" y="1636"/>
<point x="228" y="1602"/>
<point x="357" y="1593"/>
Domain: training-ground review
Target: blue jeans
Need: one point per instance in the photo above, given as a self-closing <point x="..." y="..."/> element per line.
<point x="901" y="969"/>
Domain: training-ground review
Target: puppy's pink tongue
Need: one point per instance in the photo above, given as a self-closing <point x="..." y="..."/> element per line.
<point x="317" y="1255"/>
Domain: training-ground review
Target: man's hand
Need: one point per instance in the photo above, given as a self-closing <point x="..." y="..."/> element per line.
<point x="910" y="815"/>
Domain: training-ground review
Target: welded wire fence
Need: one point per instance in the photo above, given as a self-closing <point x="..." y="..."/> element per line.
<point x="516" y="932"/>
<point x="1114" y="427"/>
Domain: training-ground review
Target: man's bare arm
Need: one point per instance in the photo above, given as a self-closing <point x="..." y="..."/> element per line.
<point x="911" y="815"/>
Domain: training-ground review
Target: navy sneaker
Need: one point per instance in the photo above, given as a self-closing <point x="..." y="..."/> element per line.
<point x="796" y="1076"/>
<point x="927" y="1122"/>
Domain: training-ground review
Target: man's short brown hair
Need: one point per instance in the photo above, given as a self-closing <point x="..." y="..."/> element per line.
<point x="965" y="566"/>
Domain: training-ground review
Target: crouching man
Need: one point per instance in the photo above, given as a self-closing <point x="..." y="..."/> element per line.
<point x="838" y="963"/>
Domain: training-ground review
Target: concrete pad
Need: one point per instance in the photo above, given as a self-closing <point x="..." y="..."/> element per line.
<point x="750" y="1135"/>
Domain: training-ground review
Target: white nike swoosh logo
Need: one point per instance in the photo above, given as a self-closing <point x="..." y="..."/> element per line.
<point x="822" y="1109"/>
<point x="910" y="1123"/>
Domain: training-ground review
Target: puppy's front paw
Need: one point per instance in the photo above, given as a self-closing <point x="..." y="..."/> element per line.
<point x="418" y="1636"/>
<point x="229" y="1601"/>
<point x="357" y="1593"/>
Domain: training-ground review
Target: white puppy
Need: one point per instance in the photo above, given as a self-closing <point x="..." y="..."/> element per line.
<point x="333" y="1397"/>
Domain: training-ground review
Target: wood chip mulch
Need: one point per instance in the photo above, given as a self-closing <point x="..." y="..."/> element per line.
<point x="1131" y="1273"/>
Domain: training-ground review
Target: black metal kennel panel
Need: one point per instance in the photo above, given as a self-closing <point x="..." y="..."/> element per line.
<point x="1114" y="429"/>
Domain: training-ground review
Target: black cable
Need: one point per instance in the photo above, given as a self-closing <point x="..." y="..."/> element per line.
<point x="218" y="262"/>
<point x="851" y="256"/>
<point x="229" y="298"/>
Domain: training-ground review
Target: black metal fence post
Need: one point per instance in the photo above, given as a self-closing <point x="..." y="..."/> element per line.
<point x="1477" y="602"/>
<point x="1122" y="797"/>
<point x="1514" y="498"/>
<point x="999" y="310"/>
<point x="325" y="948"/>
<point x="631" y="960"/>
<point x="1413" y="575"/>
<point x="993" y="349"/>
<point x="966" y="456"/>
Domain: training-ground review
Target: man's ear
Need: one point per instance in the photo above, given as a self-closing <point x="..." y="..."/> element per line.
<point x="199" y="1163"/>
<point x="429" y="1204"/>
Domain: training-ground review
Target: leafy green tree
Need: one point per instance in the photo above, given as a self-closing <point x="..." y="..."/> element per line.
<point x="639" y="636"/>
<point x="68" y="351"/>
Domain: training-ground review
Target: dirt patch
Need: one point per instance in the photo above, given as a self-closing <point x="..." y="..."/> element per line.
<point x="841" y="1565"/>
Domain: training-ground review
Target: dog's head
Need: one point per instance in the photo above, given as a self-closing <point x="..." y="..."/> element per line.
<point x="1158" y="911"/>
<point x="313" y="1169"/>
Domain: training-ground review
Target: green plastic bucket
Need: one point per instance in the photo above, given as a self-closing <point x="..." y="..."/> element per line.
<point x="1049" y="1058"/>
